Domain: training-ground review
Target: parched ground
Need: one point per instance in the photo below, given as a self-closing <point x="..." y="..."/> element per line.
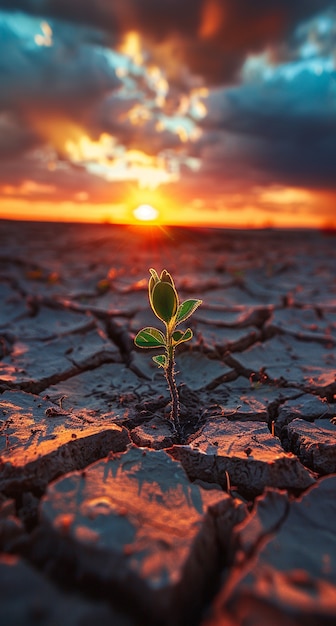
<point x="105" y="517"/>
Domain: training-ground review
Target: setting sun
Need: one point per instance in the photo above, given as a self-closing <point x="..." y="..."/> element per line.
<point x="146" y="213"/>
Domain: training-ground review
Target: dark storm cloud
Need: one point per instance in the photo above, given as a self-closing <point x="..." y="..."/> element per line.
<point x="287" y="126"/>
<point x="65" y="79"/>
<point x="15" y="137"/>
<point x="307" y="163"/>
<point x="56" y="77"/>
<point x="211" y="37"/>
<point x="278" y="108"/>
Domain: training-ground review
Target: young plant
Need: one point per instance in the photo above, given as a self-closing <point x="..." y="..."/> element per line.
<point x="165" y="304"/>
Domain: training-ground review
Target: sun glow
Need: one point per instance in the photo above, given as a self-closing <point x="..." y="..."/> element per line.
<point x="146" y="213"/>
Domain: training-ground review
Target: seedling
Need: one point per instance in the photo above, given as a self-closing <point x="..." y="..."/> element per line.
<point x="164" y="302"/>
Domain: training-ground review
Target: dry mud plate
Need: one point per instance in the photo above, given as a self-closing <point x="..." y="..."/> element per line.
<point x="106" y="515"/>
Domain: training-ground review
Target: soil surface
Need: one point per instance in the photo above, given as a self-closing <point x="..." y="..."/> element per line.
<point x="106" y="517"/>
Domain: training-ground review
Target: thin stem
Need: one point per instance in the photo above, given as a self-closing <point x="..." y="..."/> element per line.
<point x="170" y="376"/>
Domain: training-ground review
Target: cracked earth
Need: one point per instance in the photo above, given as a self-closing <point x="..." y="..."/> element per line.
<point x="105" y="517"/>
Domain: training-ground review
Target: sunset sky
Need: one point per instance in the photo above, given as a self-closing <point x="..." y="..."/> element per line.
<point x="215" y="112"/>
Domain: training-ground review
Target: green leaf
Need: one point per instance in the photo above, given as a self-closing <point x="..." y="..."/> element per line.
<point x="154" y="279"/>
<point x="164" y="301"/>
<point x="179" y="336"/>
<point x="154" y="274"/>
<point x="186" y="309"/>
<point x="160" y="360"/>
<point x="167" y="278"/>
<point x="150" y="338"/>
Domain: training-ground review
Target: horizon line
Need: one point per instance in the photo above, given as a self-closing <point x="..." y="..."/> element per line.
<point x="324" y="228"/>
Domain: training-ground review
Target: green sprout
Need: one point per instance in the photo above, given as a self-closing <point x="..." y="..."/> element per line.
<point x="165" y="304"/>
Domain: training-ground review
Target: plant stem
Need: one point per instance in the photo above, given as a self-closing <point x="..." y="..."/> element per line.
<point x="170" y="376"/>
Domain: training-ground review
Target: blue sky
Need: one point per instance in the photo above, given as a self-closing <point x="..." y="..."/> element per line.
<point x="215" y="111"/>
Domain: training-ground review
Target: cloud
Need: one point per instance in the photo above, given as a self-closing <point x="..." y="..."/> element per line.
<point x="209" y="37"/>
<point x="42" y="86"/>
<point x="58" y="84"/>
<point x="15" y="137"/>
<point x="83" y="83"/>
<point x="56" y="77"/>
<point x="286" y="127"/>
<point x="37" y="178"/>
<point x="133" y="122"/>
